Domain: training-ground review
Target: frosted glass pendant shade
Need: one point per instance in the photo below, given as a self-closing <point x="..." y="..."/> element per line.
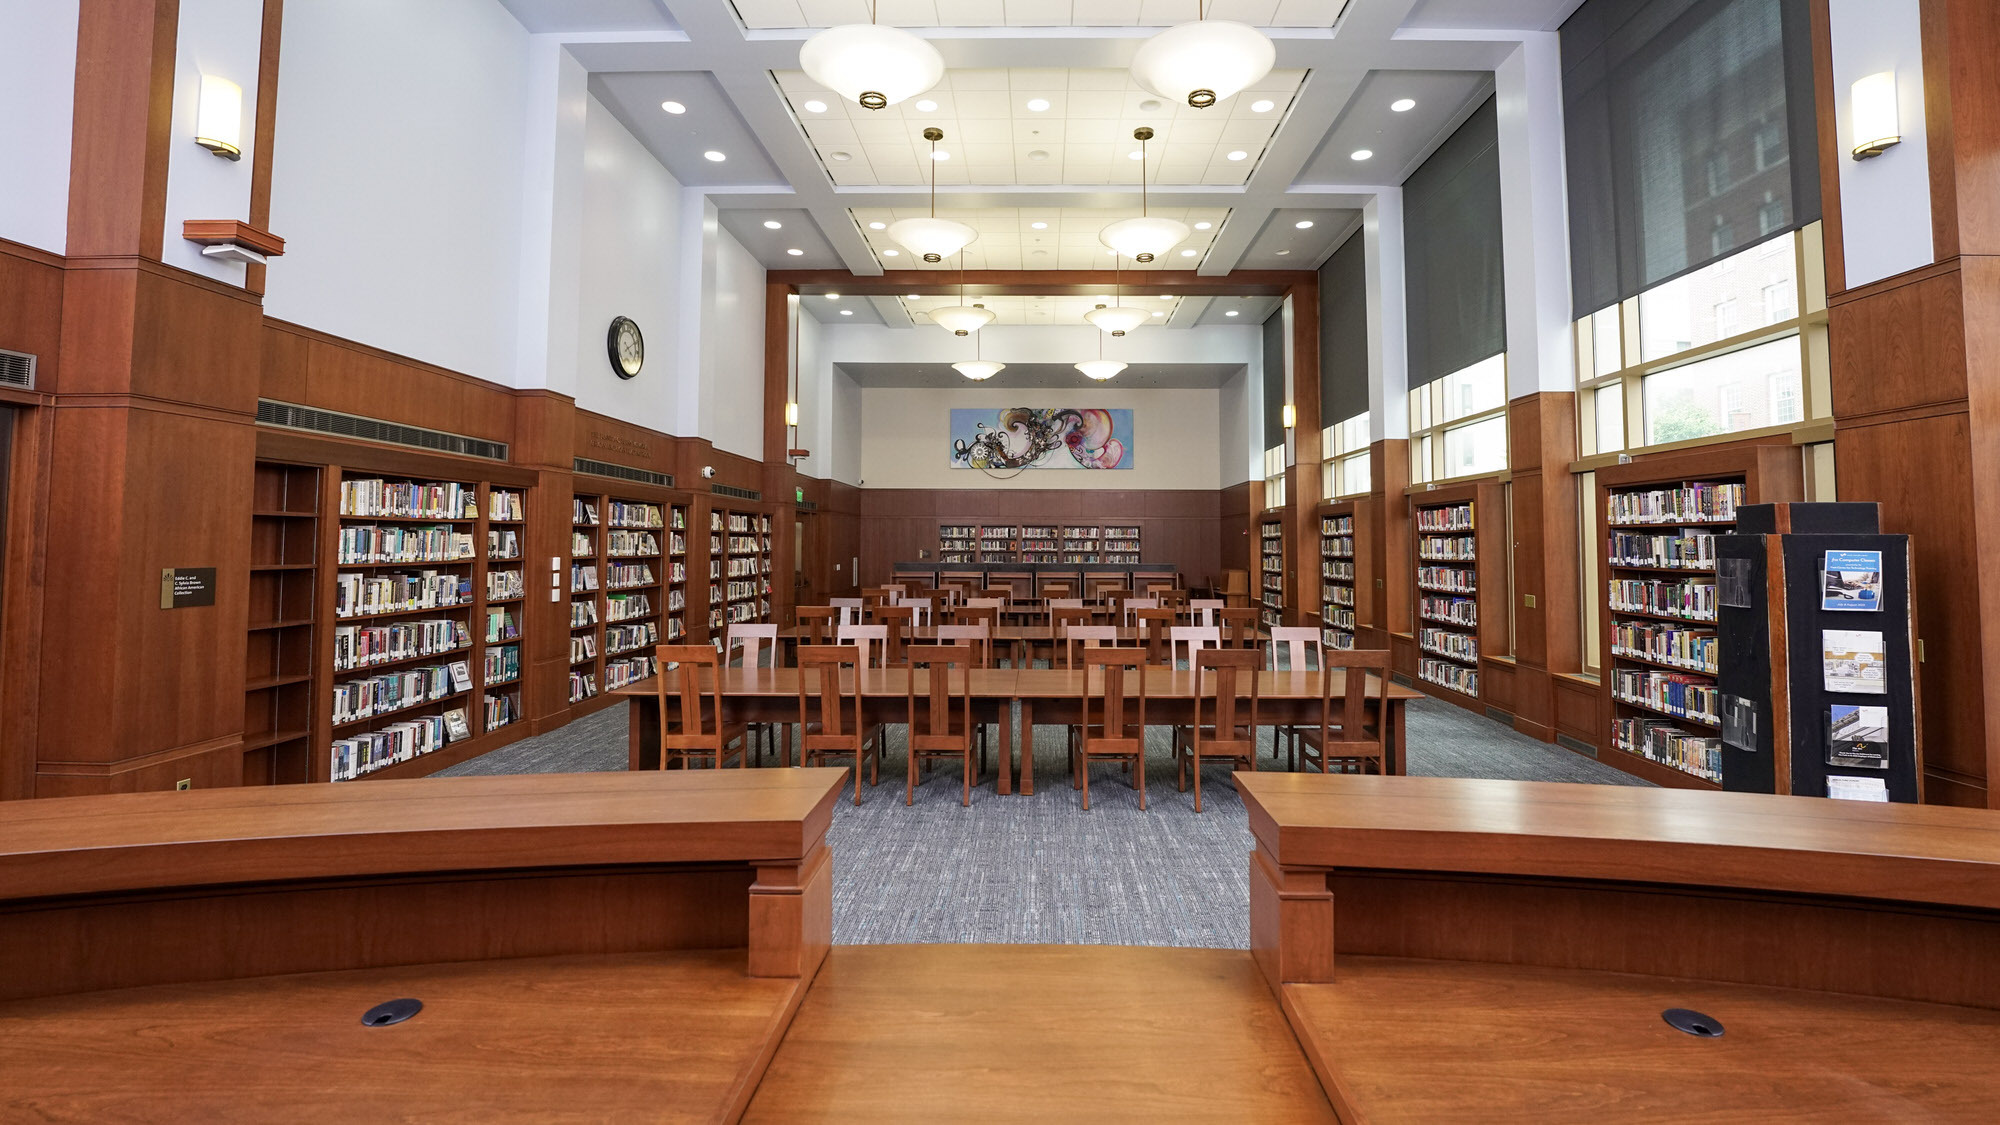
<point x="1201" y="63"/>
<point x="933" y="240"/>
<point x="872" y="65"/>
<point x="1115" y="319"/>
<point x="962" y="320"/>
<point x="978" y="370"/>
<point x="1144" y="238"/>
<point x="1100" y="369"/>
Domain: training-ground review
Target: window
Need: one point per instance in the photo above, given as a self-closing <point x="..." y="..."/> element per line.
<point x="1770" y="145"/>
<point x="1458" y="424"/>
<point x="1274" y="477"/>
<point x="1721" y="351"/>
<point x="1771" y="216"/>
<point x="1345" y="469"/>
<point x="1718" y="172"/>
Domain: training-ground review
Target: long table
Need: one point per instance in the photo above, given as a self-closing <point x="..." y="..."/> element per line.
<point x="770" y="695"/>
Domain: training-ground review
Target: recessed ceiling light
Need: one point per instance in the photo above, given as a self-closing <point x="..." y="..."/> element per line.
<point x="833" y="296"/>
<point x="910" y="297"/>
<point x="796" y="252"/>
<point x="840" y="157"/>
<point x="715" y="156"/>
<point x="940" y="154"/>
<point x="1231" y="312"/>
<point x="1262" y="105"/>
<point x="1402" y="105"/>
<point x="877" y="226"/>
<point x="1304" y="224"/>
<point x="1362" y="153"/>
<point x="926" y="105"/>
<point x="847" y="312"/>
<point x="1158" y="313"/>
<point x="1282" y="253"/>
<point x="1038" y="155"/>
<point x="1187" y="253"/>
<point x="1203" y="226"/>
<point x="815" y="106"/>
<point x="1239" y="154"/>
<point x="1166" y="296"/>
<point x="890" y="253"/>
<point x="673" y="107"/>
<point x="1037" y="105"/>
<point x="773" y="224"/>
<point x="1152" y="105"/>
<point x="1135" y="154"/>
<point x="1039" y="226"/>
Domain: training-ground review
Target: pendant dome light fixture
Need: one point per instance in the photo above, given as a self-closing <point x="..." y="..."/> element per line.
<point x="1115" y="318"/>
<point x="871" y="65"/>
<point x="1100" y="369"/>
<point x="1146" y="237"/>
<point x="1203" y="62"/>
<point x="962" y="319"/>
<point x="933" y="239"/>
<point x="976" y="369"/>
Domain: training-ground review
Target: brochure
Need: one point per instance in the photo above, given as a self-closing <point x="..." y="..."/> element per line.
<point x="455" y="723"/>
<point x="1857" y="788"/>
<point x="1857" y="737"/>
<point x="1739" y="722"/>
<point x="1853" y="660"/>
<point x="1851" y="580"/>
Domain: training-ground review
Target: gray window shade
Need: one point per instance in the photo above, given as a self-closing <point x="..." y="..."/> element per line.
<point x="1690" y="134"/>
<point x="1451" y="253"/>
<point x="1274" y="380"/>
<point x="1343" y="332"/>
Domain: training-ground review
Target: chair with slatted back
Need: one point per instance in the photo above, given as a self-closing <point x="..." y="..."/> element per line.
<point x="1229" y="730"/>
<point x="687" y="733"/>
<point x="976" y="615"/>
<point x="1175" y="599"/>
<point x="1097" y="587"/>
<point x="899" y="619"/>
<point x="817" y="623"/>
<point x="831" y="723"/>
<point x="1074" y="640"/>
<point x="850" y="609"/>
<point x="1203" y="610"/>
<point x="873" y="640"/>
<point x="1155" y="628"/>
<point x="1239" y="628"/>
<point x="943" y="728"/>
<point x="998" y="594"/>
<point x="1114" y="603"/>
<point x="1154" y="587"/>
<point x="872" y="597"/>
<point x="922" y="615"/>
<point x="978" y="636"/>
<point x="1056" y="588"/>
<point x="749" y="645"/>
<point x="930" y="607"/>
<point x="1348" y="743"/>
<point x="1302" y="648"/>
<point x="1119" y="734"/>
<point x="1183" y="641"/>
<point x="1129" y="608"/>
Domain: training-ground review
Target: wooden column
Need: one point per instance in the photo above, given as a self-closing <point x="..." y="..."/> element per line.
<point x="1541" y="434"/>
<point x="1305" y="484"/>
<point x="1916" y="390"/>
<point x="780" y="478"/>
<point x="1388" y="538"/>
<point x="545" y="424"/>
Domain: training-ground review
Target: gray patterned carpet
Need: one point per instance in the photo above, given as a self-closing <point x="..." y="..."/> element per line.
<point x="1039" y="869"/>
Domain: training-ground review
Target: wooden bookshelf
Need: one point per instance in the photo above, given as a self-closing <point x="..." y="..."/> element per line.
<point x="1082" y="544"/>
<point x="634" y="611"/>
<point x="1656" y="563"/>
<point x="987" y="544"/>
<point x="1040" y="543"/>
<point x="1338" y="559"/>
<point x="278" y="671"/>
<point x="740" y="566"/>
<point x="1458" y="642"/>
<point x="996" y="543"/>
<point x="1122" y="544"/>
<point x="1271" y="572"/>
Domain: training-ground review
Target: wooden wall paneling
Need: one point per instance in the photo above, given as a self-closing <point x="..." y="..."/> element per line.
<point x="544" y="435"/>
<point x="31" y="298"/>
<point x="1305" y="478"/>
<point x="22" y="532"/>
<point x="1578" y="709"/>
<point x="1982" y="316"/>
<point x="1547" y="636"/>
<point x="1832" y="154"/>
<point x="266" y="132"/>
<point x="122" y="127"/>
<point x="1899" y="345"/>
<point x="1934" y="18"/>
<point x="1389" y="539"/>
<point x="1972" y="36"/>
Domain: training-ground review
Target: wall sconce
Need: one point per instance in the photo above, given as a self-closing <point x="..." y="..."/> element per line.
<point x="791" y="414"/>
<point x="1291" y="416"/>
<point x="1877" y="125"/>
<point x="218" y="119"/>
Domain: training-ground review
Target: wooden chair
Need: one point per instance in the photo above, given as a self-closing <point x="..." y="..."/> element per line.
<point x="1099" y="588"/>
<point x="1114" y="602"/>
<point x="851" y="608"/>
<point x="1057" y="588"/>
<point x="1000" y="594"/>
<point x="1174" y="599"/>
<point x="1203" y="610"/>
<point x="976" y="615"/>
<point x="1128" y="609"/>
<point x="899" y="619"/>
<point x="1115" y="737"/>
<point x="1154" y="587"/>
<point x="686" y="734"/>
<point x="946" y="729"/>
<point x="840" y="730"/>
<point x="1155" y="628"/>
<point x="1228" y="733"/>
<point x="1087" y="637"/>
<point x="872" y="597"/>
<point x="930" y="606"/>
<point x="873" y="640"/>
<point x="1303" y="649"/>
<point x="818" y="622"/>
<point x="1183" y="641"/>
<point x="746" y="646"/>
<point x="921" y="612"/>
<point x="1239" y="627"/>
<point x="1356" y="745"/>
<point x="977" y="636"/>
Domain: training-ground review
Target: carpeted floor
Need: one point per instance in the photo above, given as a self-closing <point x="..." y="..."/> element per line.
<point x="1039" y="869"/>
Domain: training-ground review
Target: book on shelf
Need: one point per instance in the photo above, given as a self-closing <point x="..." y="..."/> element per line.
<point x="461" y="676"/>
<point x="503" y="665"/>
<point x="621" y="513"/>
<point x="365" y="544"/>
<point x="386" y="692"/>
<point x="505" y="585"/>
<point x="1450" y="674"/>
<point x="1695" y="502"/>
<point x="582" y="686"/>
<point x="501" y="710"/>
<point x="456" y="724"/>
<point x="363" y="646"/>
<point x="1659" y="740"/>
<point x="1448" y="517"/>
<point x="1683" y="598"/>
<point x="582" y="578"/>
<point x="501" y="625"/>
<point x="583" y="513"/>
<point x="503" y="505"/>
<point x="408" y="499"/>
<point x="581" y="545"/>
<point x="363" y="595"/>
<point x="398" y="742"/>
<point x="1695" y="551"/>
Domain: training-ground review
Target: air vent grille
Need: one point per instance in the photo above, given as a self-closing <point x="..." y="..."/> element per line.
<point x="17" y="369"/>
<point x="807" y="506"/>
<point x="738" y="493"/>
<point x="310" y="419"/>
<point x="623" y="472"/>
<point x="1576" y="744"/>
<point x="1499" y="716"/>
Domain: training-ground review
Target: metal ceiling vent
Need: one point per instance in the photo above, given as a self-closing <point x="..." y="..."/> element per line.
<point x="622" y="472"/>
<point x="17" y="369"/>
<point x="312" y="420"/>
<point x="738" y="493"/>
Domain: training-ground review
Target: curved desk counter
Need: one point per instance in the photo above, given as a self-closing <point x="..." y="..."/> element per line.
<point x="1457" y="950"/>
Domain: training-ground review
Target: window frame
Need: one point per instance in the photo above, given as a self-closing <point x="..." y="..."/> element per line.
<point x="1343" y="444"/>
<point x="1427" y="441"/>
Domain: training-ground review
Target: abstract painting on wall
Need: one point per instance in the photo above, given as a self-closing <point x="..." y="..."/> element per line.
<point x="1027" y="437"/>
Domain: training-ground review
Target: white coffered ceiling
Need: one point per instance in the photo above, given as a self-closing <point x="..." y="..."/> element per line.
<point x="832" y="172"/>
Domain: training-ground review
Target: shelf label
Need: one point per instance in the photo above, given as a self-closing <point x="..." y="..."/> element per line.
<point x="187" y="586"/>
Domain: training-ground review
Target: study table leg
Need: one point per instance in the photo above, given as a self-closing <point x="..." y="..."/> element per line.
<point x="1004" y="784"/>
<point x="1027" y="748"/>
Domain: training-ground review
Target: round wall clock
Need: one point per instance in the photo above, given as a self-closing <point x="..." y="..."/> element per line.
<point x="626" y="347"/>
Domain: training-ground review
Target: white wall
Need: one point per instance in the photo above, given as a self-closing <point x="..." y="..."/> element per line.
<point x="1885" y="201"/>
<point x="845" y="429"/>
<point x="37" y="98"/>
<point x="630" y="245"/>
<point x="1238" y="454"/>
<point x="732" y="350"/>
<point x="223" y="38"/>
<point x="397" y="178"/>
<point x="906" y="437"/>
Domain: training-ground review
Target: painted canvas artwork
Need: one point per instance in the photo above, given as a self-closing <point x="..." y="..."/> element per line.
<point x="1028" y="437"/>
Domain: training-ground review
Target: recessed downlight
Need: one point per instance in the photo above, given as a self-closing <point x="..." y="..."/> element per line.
<point x="815" y="106"/>
<point x="1231" y="312"/>
<point x="1303" y="224"/>
<point x="1282" y="253"/>
<point x="1187" y="253"/>
<point x="833" y="296"/>
<point x="841" y="157"/>
<point x="1239" y="154"/>
<point x="925" y="105"/>
<point x="910" y="297"/>
<point x="1039" y="226"/>
<point x="1038" y="155"/>
<point x="1363" y="153"/>
<point x="714" y="156"/>
<point x="673" y="107"/>
<point x="1262" y="105"/>
<point x="773" y="224"/>
<point x="877" y="226"/>
<point x="1402" y="105"/>
<point x="1203" y="226"/>
<point x="796" y="252"/>
<point x="1037" y="105"/>
<point x="891" y="253"/>
<point x="1156" y="312"/>
<point x="847" y="312"/>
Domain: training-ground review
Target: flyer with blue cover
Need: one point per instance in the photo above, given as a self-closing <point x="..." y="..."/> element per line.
<point x="1851" y="580"/>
